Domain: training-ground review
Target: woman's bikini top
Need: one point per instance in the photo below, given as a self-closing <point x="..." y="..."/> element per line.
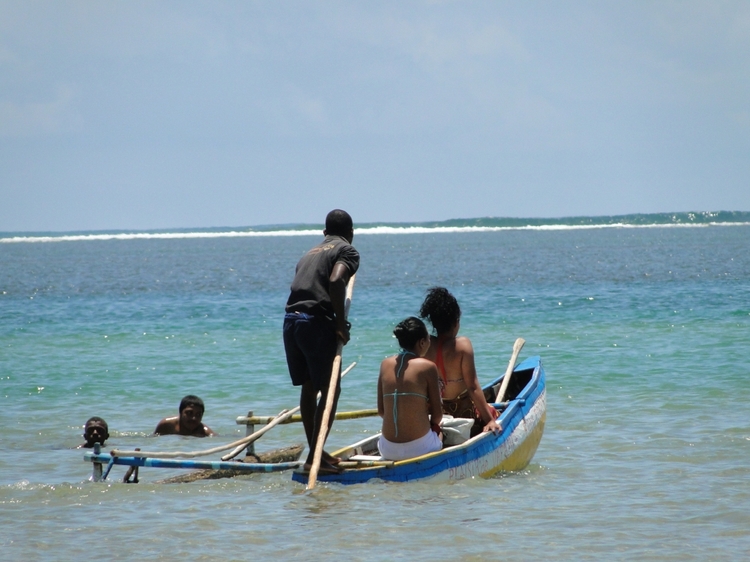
<point x="396" y="392"/>
<point x="441" y="368"/>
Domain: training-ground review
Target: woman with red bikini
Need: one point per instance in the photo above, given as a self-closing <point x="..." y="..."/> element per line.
<point x="454" y="356"/>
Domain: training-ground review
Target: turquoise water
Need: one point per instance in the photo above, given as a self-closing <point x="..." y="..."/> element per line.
<point x="643" y="330"/>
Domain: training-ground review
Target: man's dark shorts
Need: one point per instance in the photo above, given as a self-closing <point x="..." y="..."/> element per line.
<point x="310" y="343"/>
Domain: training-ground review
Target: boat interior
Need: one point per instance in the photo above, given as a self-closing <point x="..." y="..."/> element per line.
<point x="367" y="450"/>
<point x="517" y="383"/>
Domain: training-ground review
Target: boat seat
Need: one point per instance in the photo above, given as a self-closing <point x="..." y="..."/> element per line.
<point x="365" y="458"/>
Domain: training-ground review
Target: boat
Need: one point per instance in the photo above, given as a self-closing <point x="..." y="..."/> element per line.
<point x="522" y="420"/>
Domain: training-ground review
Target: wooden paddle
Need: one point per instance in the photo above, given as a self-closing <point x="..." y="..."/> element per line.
<point x="323" y="433"/>
<point x="511" y="365"/>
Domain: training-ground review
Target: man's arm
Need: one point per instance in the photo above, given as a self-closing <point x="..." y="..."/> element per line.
<point x="337" y="291"/>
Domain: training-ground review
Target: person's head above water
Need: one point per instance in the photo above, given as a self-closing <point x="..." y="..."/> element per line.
<point x="339" y="223"/>
<point x="192" y="400"/>
<point x="441" y="309"/>
<point x="409" y="332"/>
<point x="189" y="422"/>
<point x="95" y="431"/>
<point x="191" y="413"/>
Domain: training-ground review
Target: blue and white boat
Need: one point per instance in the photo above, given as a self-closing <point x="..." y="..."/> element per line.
<point x="522" y="421"/>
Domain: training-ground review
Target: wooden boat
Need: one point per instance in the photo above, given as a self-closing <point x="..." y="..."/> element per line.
<point x="522" y="419"/>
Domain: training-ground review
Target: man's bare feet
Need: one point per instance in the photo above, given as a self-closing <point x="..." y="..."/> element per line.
<point x="330" y="459"/>
<point x="325" y="468"/>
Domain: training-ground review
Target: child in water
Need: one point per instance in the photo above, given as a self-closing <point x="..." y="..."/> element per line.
<point x="94" y="431"/>
<point x="189" y="422"/>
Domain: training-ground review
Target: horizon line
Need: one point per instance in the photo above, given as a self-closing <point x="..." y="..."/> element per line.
<point x="678" y="220"/>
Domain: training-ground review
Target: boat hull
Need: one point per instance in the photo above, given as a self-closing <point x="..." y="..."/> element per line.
<point x="485" y="455"/>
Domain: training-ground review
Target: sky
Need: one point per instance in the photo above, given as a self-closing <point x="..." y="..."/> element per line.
<point x="179" y="114"/>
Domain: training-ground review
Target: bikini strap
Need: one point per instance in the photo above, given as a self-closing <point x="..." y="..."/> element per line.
<point x="395" y="395"/>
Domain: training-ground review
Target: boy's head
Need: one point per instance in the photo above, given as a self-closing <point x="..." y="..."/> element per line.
<point x="191" y="413"/>
<point x="95" y="431"/>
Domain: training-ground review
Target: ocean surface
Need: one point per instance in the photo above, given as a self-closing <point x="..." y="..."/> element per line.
<point x="642" y="323"/>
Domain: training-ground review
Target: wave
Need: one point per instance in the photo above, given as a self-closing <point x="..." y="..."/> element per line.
<point x="485" y="224"/>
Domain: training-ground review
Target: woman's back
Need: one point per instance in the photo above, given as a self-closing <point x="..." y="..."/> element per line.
<point x="454" y="359"/>
<point x="454" y="356"/>
<point x="407" y="387"/>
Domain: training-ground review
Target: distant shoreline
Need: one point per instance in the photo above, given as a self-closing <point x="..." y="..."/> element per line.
<point x="486" y="224"/>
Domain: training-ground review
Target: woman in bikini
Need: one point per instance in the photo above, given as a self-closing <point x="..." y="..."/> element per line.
<point x="454" y="357"/>
<point x="409" y="396"/>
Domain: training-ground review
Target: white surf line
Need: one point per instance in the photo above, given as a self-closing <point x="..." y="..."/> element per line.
<point x="360" y="231"/>
<point x="158" y="236"/>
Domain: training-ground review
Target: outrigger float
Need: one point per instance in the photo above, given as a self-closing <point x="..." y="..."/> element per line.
<point x="522" y="420"/>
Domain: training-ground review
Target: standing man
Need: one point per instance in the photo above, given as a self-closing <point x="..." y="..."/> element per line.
<point x="314" y="322"/>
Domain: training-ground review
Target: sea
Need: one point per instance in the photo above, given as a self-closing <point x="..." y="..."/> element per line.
<point x="642" y="323"/>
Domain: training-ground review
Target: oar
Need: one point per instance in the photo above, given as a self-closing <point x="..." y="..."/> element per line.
<point x="280" y="418"/>
<point x="511" y="365"/>
<point x="323" y="433"/>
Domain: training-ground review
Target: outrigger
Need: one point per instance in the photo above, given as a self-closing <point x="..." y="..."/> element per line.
<point x="522" y="418"/>
<point x="277" y="460"/>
